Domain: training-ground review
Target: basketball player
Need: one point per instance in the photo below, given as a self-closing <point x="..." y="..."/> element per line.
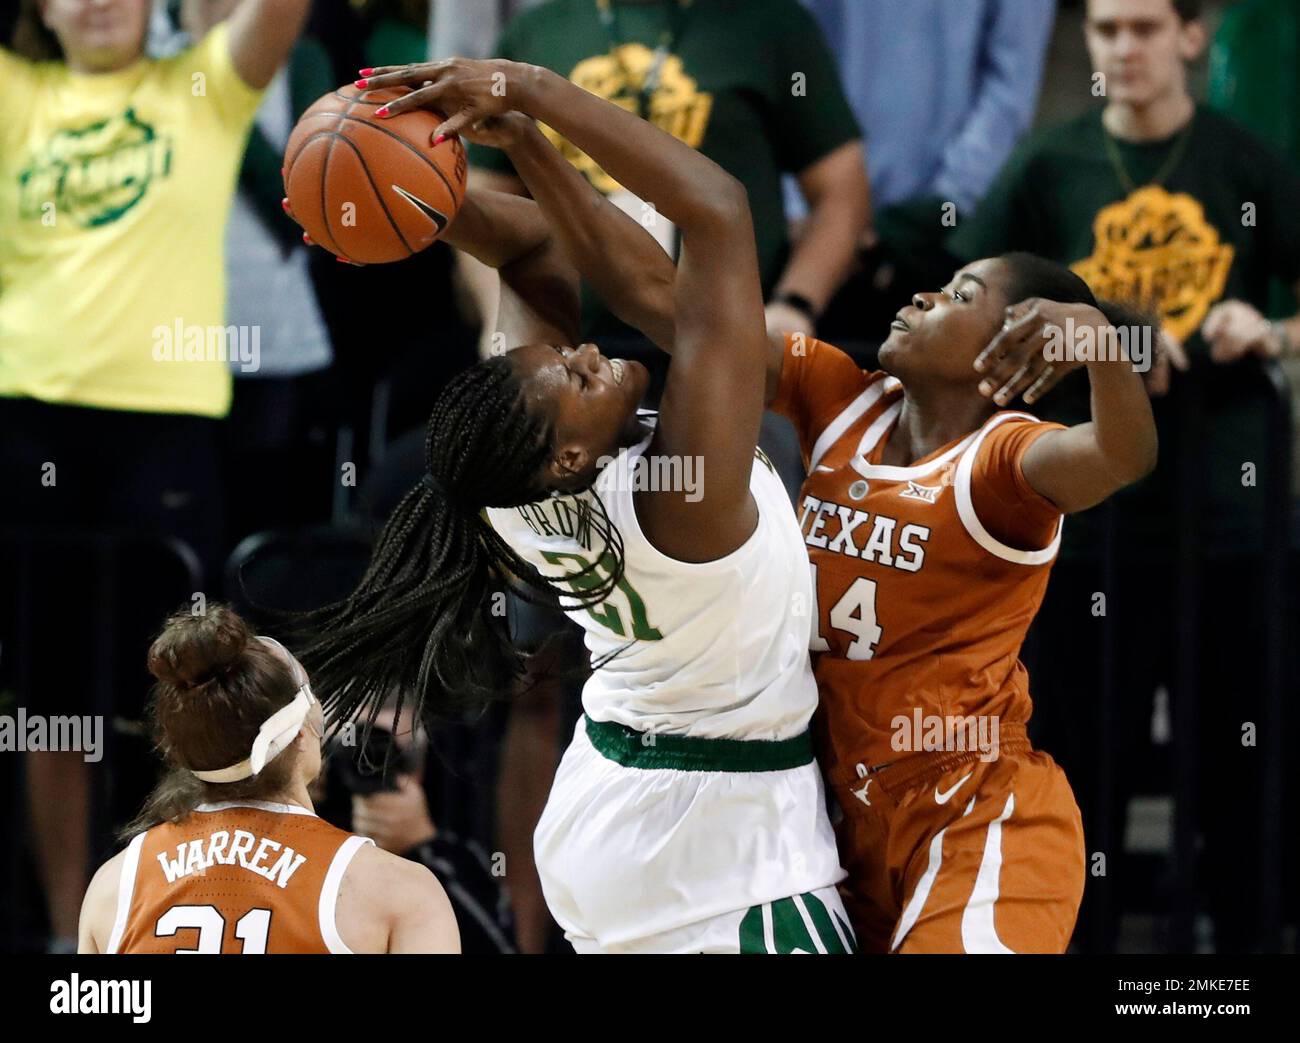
<point x="932" y="518"/>
<point x="230" y="857"/>
<point x="688" y="814"/>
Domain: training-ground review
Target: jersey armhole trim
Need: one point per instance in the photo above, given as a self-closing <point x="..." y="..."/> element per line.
<point x="125" y="892"/>
<point x="329" y="893"/>
<point x="970" y="520"/>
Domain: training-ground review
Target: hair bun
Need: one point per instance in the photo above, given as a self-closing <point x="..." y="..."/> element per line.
<point x="192" y="650"/>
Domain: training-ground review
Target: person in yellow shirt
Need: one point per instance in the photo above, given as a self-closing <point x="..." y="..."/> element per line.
<point x="116" y="178"/>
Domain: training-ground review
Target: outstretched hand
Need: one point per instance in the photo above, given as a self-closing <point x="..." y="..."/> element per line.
<point x="1015" y="361"/>
<point x="466" y="90"/>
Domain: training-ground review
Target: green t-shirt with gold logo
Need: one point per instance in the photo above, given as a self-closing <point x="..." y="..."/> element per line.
<point x="114" y="194"/>
<point x="750" y="83"/>
<point x="1206" y="216"/>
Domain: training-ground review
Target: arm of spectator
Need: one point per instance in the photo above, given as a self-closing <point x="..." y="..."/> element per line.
<point x="839" y="212"/>
<point x="262" y="33"/>
<point x="1011" y="70"/>
<point x="815" y="136"/>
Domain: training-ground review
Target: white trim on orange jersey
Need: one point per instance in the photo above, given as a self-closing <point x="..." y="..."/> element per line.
<point x="329" y="893"/>
<point x="125" y="891"/>
<point x="966" y="505"/>
<point x="846" y="419"/>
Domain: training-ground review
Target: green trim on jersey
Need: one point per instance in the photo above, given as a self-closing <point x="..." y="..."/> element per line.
<point x="635" y="749"/>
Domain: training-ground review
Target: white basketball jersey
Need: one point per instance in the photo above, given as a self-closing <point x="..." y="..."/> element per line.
<point x="712" y="650"/>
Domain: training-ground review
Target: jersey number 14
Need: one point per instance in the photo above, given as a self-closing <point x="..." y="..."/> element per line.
<point x="854" y="613"/>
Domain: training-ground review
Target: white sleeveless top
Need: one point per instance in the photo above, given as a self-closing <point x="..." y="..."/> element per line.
<point x="713" y="650"/>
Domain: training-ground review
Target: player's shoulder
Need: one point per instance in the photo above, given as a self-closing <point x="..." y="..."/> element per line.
<point x="99" y="905"/>
<point x="391" y="880"/>
<point x="399" y="893"/>
<point x="1238" y="144"/>
<point x="1004" y="438"/>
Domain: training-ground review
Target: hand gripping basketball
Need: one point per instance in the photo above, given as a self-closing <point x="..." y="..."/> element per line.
<point x="467" y="90"/>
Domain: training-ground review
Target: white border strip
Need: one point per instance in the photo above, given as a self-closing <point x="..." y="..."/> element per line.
<point x="913" y="911"/>
<point x="329" y="893"/>
<point x="978" y="932"/>
<point x="125" y="891"/>
<point x="847" y="418"/>
<point x="899" y="474"/>
<point x="966" y="506"/>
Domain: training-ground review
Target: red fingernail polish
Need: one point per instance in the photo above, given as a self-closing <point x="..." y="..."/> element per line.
<point x="438" y="139"/>
<point x="382" y="112"/>
<point x="341" y="260"/>
<point x="307" y="239"/>
<point x="365" y="72"/>
<point x="361" y="83"/>
<point x="285" y="203"/>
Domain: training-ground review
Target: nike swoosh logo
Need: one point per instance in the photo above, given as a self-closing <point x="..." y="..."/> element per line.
<point x="946" y="795"/>
<point x="436" y="216"/>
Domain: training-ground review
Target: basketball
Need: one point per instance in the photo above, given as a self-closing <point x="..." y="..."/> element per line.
<point x="372" y="190"/>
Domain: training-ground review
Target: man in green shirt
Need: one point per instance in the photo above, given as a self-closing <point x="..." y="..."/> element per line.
<point x="1157" y="201"/>
<point x="751" y="84"/>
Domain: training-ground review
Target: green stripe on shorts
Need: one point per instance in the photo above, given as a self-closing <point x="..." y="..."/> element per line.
<point x="799" y="924"/>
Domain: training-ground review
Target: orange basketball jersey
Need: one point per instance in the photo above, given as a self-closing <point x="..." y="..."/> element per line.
<point x="926" y="576"/>
<point x="247" y="877"/>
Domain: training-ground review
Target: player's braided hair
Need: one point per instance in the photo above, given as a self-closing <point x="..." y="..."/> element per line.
<point x="427" y="621"/>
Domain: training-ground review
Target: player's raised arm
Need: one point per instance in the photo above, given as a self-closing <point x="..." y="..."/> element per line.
<point x="540" y="300"/>
<point x="721" y="340"/>
<point x="1081" y="466"/>
<point x="618" y="257"/>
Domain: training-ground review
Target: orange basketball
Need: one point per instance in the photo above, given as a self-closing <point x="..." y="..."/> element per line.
<point x="372" y="190"/>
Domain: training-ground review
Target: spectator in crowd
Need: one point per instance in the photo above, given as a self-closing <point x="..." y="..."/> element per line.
<point x="276" y="477"/>
<point x="391" y="808"/>
<point x="1160" y="201"/>
<point x="753" y="87"/>
<point x="470" y="28"/>
<point x="942" y="95"/>
<point x="1255" y="79"/>
<point x="398" y="365"/>
<point x="116" y="177"/>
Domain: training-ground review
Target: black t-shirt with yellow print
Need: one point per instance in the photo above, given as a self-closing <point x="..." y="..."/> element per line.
<point x="750" y="83"/>
<point x="1209" y="214"/>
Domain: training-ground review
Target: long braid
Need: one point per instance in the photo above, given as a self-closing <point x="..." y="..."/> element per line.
<point x="425" y="623"/>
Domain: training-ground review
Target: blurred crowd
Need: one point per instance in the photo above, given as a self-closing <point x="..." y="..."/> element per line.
<point x="1152" y="145"/>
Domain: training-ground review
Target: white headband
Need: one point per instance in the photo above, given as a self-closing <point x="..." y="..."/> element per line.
<point x="274" y="736"/>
